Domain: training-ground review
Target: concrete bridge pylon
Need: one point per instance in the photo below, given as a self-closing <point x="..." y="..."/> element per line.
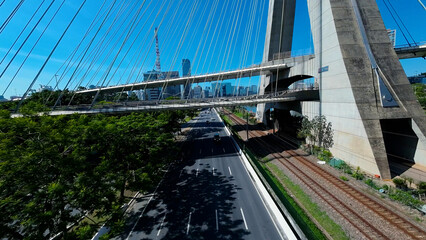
<point x="364" y="90"/>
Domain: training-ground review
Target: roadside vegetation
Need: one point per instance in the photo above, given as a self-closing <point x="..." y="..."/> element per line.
<point x="56" y="171"/>
<point x="406" y="191"/>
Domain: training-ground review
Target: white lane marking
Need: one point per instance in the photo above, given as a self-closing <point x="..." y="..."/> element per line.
<point x="230" y="172"/>
<point x="244" y="219"/>
<point x="143" y="211"/>
<point x="189" y="223"/>
<point x="161" y="225"/>
<point x="223" y="149"/>
<point x="217" y="222"/>
<point x="133" y="228"/>
<point x="180" y="172"/>
<point x="212" y="150"/>
<point x="198" y="167"/>
<point x="213" y="171"/>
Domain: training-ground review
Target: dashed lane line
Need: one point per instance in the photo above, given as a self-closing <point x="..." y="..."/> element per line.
<point x="161" y="225"/>
<point x="244" y="219"/>
<point x="189" y="223"/>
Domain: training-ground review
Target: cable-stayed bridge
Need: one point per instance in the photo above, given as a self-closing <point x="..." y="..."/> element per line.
<point x="362" y="88"/>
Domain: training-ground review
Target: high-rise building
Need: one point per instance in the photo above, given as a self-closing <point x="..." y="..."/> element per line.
<point x="197" y="91"/>
<point x="171" y="91"/>
<point x="253" y="89"/>
<point x="206" y="92"/>
<point x="217" y="89"/>
<point x="186" y="72"/>
<point x="152" y="93"/>
<point x="227" y="89"/>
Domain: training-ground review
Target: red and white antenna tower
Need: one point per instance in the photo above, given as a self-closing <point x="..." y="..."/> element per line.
<point x="157" y="52"/>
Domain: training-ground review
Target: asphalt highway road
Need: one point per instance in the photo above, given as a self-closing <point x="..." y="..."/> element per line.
<point x="207" y="195"/>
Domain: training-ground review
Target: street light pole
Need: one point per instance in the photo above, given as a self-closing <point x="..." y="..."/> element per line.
<point x="247" y="127"/>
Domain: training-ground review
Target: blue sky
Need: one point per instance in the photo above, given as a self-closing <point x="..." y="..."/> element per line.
<point x="233" y="38"/>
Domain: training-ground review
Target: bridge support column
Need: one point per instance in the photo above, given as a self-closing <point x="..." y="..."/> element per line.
<point x="364" y="91"/>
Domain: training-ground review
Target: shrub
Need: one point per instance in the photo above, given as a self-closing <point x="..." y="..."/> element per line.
<point x="371" y="183"/>
<point x="325" y="155"/>
<point x="421" y="186"/>
<point x="399" y="182"/>
<point x="358" y="174"/>
<point x="405" y="198"/>
<point x="344" y="178"/>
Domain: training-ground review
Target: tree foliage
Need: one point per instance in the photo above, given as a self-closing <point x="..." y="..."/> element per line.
<point x="317" y="131"/>
<point x="420" y="92"/>
<point x="54" y="170"/>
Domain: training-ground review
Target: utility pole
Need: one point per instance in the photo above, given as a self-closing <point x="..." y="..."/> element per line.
<point x="247" y="126"/>
<point x="157" y="52"/>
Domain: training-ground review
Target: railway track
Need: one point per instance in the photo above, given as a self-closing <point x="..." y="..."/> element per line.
<point x="393" y="218"/>
<point x="315" y="178"/>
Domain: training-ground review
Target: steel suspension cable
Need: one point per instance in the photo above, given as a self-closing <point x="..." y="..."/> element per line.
<point x="232" y="37"/>
<point x="25" y="27"/>
<point x="97" y="52"/>
<point x="190" y="42"/>
<point x="402" y="22"/>
<point x="210" y="18"/>
<point x="168" y="8"/>
<point x="184" y="34"/>
<point x="6" y="22"/>
<point x="247" y="40"/>
<point x="138" y="62"/>
<point x="131" y="29"/>
<point x="84" y="54"/>
<point x="218" y="87"/>
<point x="93" y="54"/>
<point x="34" y="45"/>
<point x="72" y="54"/>
<point x="149" y="47"/>
<point x="393" y="17"/>
<point x="50" y="55"/>
<point x="23" y="43"/>
<point x="279" y="51"/>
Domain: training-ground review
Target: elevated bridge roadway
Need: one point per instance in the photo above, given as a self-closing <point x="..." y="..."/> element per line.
<point x="117" y="108"/>
<point x="411" y="51"/>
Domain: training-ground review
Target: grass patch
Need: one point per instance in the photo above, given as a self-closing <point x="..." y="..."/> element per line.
<point x="322" y="218"/>
<point x="227" y="121"/>
<point x="344" y="178"/>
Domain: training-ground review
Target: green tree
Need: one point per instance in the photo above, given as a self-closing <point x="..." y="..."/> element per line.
<point x="420" y="92"/>
<point x="53" y="170"/>
<point x="317" y="132"/>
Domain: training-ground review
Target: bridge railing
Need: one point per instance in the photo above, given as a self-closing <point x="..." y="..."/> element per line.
<point x="409" y="45"/>
<point x="85" y="107"/>
<point x="294" y="53"/>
